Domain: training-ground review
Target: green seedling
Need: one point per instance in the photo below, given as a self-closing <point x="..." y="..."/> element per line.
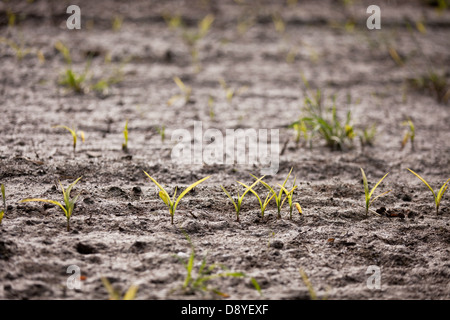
<point x="437" y="196"/>
<point x="74" y="134"/>
<point x="410" y="134"/>
<point x="70" y="78"/>
<point x="186" y="92"/>
<point x="434" y="83"/>
<point x="117" y="23"/>
<point x="125" y="136"/>
<point x="2" y="213"/>
<point x="230" y="93"/>
<point x="289" y="198"/>
<point x="278" y="197"/>
<point x="300" y="130"/>
<point x="368" y="195"/>
<point x="115" y="294"/>
<point x="68" y="201"/>
<point x="200" y="280"/>
<point x="367" y="136"/>
<point x="307" y="282"/>
<point x="238" y="203"/>
<point x="20" y="50"/>
<point x="191" y="37"/>
<point x="312" y="292"/>
<point x="171" y="203"/>
<point x="162" y="132"/>
<point x="278" y="23"/>
<point x="263" y="204"/>
<point x="325" y="122"/>
<point x="115" y="76"/>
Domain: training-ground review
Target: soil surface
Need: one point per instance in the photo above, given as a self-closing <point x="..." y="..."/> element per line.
<point x="121" y="230"/>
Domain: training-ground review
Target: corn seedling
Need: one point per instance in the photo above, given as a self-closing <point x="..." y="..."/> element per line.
<point x="308" y="284"/>
<point x="70" y="78"/>
<point x="368" y="194"/>
<point x="437" y="195"/>
<point x="68" y="201"/>
<point x="238" y="203"/>
<point x="162" y="132"/>
<point x="300" y="130"/>
<point x="116" y="75"/>
<point x="263" y="204"/>
<point x="434" y="83"/>
<point x="172" y="203"/>
<point x="230" y="93"/>
<point x="189" y="37"/>
<point x="289" y="198"/>
<point x="74" y="134"/>
<point x="125" y="136"/>
<point x="117" y="23"/>
<point x="299" y="209"/>
<point x="115" y="294"/>
<point x="2" y="213"/>
<point x="367" y="136"/>
<point x="410" y="134"/>
<point x="326" y="123"/>
<point x="278" y="197"/>
<point x="201" y="279"/>
<point x="186" y="92"/>
<point x="278" y="23"/>
<point x="20" y="50"/>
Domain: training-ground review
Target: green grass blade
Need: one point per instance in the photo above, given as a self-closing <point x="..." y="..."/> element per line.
<point x="254" y="184"/>
<point x="187" y="190"/>
<point x="3" y="195"/>
<point x="256" y="285"/>
<point x="48" y="201"/>
<point x="189" y="267"/>
<point x="384" y="193"/>
<point x="164" y="198"/>
<point x="441" y="192"/>
<point x="252" y="191"/>
<point x="366" y="186"/>
<point x="131" y="293"/>
<point x="158" y="185"/>
<point x="229" y="196"/>
<point x="423" y="180"/>
<point x="373" y="189"/>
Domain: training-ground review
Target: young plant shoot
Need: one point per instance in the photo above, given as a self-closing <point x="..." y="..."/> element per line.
<point x="115" y="294"/>
<point x="289" y="198"/>
<point x="278" y="197"/>
<point x="368" y="195"/>
<point x="2" y="213"/>
<point x="172" y="203"/>
<point x="237" y="204"/>
<point x="186" y="92"/>
<point x="410" y="134"/>
<point x="125" y="135"/>
<point x="262" y="204"/>
<point x="68" y="201"/>
<point x="74" y="135"/>
<point x="200" y="280"/>
<point x="437" y="196"/>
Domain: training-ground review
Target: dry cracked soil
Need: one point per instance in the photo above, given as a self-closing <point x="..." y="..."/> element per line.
<point x="121" y="230"/>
